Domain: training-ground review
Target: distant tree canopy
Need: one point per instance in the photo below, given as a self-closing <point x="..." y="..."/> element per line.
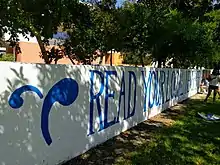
<point x="40" y="18"/>
<point x="185" y="32"/>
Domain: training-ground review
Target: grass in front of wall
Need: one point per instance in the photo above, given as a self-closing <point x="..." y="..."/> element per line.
<point x="175" y="137"/>
<point x="190" y="140"/>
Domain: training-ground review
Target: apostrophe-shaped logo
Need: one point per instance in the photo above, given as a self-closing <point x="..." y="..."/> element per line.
<point x="64" y="92"/>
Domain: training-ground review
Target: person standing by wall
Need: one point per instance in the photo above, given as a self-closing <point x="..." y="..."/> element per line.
<point x="204" y="85"/>
<point x="213" y="85"/>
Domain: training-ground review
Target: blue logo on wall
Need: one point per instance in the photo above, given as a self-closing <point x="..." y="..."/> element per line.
<point x="64" y="92"/>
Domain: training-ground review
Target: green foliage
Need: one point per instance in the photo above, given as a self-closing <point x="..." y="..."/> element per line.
<point x="190" y="140"/>
<point x="168" y="30"/>
<point x="190" y="43"/>
<point x="7" y="57"/>
<point x="185" y="31"/>
<point x="40" y="18"/>
<point x="100" y="35"/>
<point x="133" y="23"/>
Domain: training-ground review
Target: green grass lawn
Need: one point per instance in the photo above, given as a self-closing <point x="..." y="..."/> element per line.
<point x="190" y="140"/>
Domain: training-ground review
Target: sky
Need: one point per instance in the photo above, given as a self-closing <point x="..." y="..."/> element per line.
<point x="119" y="3"/>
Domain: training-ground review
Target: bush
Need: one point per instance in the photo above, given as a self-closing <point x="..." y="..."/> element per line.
<point x="7" y="57"/>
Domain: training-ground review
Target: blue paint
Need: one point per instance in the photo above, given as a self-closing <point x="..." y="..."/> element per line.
<point x="95" y="97"/>
<point x="162" y="81"/>
<point x="180" y="91"/>
<point x="131" y="113"/>
<point x="155" y="92"/>
<point x="107" y="95"/>
<point x="150" y="105"/>
<point x="16" y="101"/>
<point x="177" y="84"/>
<point x="187" y="82"/>
<point x="173" y="82"/>
<point x="147" y="94"/>
<point x="194" y="80"/>
<point x="167" y="90"/>
<point x="145" y="90"/>
<point x="122" y="94"/>
<point x="157" y="88"/>
<point x="65" y="93"/>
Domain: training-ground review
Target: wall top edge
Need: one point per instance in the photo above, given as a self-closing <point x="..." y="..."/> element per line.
<point x="91" y="66"/>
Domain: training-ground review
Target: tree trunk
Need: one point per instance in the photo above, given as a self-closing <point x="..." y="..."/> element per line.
<point x="40" y="43"/>
<point x="14" y="54"/>
<point x="159" y="62"/>
<point x="164" y="63"/>
<point x="43" y="50"/>
<point x="56" y="52"/>
<point x="111" y="58"/>
<point x="101" y="58"/>
<point x="71" y="59"/>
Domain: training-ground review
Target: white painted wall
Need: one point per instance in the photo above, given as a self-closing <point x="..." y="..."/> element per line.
<point x="21" y="137"/>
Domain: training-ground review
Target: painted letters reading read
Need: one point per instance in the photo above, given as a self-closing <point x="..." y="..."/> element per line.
<point x="104" y="86"/>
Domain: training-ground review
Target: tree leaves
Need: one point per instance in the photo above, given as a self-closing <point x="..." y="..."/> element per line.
<point x="186" y="31"/>
<point x="168" y="31"/>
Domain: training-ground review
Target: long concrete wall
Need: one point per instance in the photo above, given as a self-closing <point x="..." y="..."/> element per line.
<point x="51" y="113"/>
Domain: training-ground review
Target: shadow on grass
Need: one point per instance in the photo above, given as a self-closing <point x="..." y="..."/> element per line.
<point x="190" y="140"/>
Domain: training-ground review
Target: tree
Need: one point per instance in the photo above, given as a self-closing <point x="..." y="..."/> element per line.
<point x="133" y="21"/>
<point x="81" y="45"/>
<point x="213" y="24"/>
<point x="188" y="42"/>
<point x="105" y="26"/>
<point x="194" y="9"/>
<point x="100" y="34"/>
<point x="165" y="33"/>
<point x="39" y="18"/>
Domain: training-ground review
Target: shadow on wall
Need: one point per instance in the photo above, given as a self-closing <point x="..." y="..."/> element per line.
<point x="16" y="134"/>
<point x="130" y="140"/>
<point x="20" y="129"/>
<point x="21" y="135"/>
<point x="135" y="139"/>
